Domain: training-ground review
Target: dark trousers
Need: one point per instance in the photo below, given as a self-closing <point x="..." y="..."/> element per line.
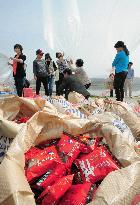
<point x="50" y="84"/>
<point x="19" y="86"/>
<point x="57" y="87"/>
<point x="119" y="85"/>
<point x="111" y="93"/>
<point x="61" y="77"/>
<point x="45" y="84"/>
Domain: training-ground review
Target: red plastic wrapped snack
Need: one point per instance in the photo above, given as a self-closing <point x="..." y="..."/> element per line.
<point x="51" y="176"/>
<point x="53" y="193"/>
<point x="23" y="120"/>
<point x="45" y="160"/>
<point x="79" y="194"/>
<point x="96" y="165"/>
<point x="31" y="153"/>
<point x="69" y="149"/>
<point x="91" y="144"/>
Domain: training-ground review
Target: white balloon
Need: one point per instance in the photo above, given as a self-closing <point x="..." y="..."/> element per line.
<point x="6" y="72"/>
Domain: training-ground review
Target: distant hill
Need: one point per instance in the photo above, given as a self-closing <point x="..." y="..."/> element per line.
<point x="100" y="82"/>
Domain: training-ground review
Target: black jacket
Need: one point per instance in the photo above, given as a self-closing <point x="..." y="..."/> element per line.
<point x="20" y="71"/>
<point x="70" y="84"/>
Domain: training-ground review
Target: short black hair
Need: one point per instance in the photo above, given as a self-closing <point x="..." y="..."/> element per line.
<point x="68" y="71"/>
<point x="47" y="55"/>
<point x="79" y="62"/>
<point x="18" y="46"/>
<point x="130" y="63"/>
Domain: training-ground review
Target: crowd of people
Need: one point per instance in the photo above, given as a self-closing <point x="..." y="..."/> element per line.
<point x="69" y="77"/>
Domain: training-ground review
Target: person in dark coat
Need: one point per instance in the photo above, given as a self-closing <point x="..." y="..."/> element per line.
<point x="18" y="68"/>
<point x="71" y="83"/>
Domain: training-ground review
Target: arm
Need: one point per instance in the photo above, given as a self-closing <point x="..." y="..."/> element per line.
<point x="34" y="69"/>
<point x="132" y="75"/>
<point x="21" y="60"/>
<point x="54" y="66"/>
<point x="117" y="58"/>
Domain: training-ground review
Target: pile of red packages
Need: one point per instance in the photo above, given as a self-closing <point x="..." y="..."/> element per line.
<point x="68" y="171"/>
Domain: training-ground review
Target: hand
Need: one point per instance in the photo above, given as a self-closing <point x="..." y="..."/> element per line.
<point x="9" y="64"/>
<point x="11" y="58"/>
<point x="35" y="77"/>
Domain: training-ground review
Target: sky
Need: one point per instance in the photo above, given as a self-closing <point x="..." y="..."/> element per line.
<point x="86" y="29"/>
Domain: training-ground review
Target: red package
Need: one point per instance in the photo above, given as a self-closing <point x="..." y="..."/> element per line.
<point x="42" y="162"/>
<point x="51" y="176"/>
<point x="91" y="144"/>
<point x="48" y="143"/>
<point x="23" y="120"/>
<point x="79" y="194"/>
<point x="96" y="165"/>
<point x="53" y="193"/>
<point x="31" y="153"/>
<point x="69" y="149"/>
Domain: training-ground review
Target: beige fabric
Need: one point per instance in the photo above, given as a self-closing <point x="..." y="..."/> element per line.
<point x="9" y="128"/>
<point x="127" y="114"/>
<point x="75" y="97"/>
<point x="13" y="106"/>
<point x="118" y="187"/>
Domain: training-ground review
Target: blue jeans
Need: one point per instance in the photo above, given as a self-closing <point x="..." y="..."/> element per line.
<point x="50" y="84"/>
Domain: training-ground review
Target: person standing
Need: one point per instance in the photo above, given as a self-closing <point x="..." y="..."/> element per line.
<point x="121" y="67"/>
<point x="18" y="68"/>
<point x="129" y="80"/>
<point x="62" y="65"/>
<point x="51" y="72"/>
<point x="110" y="83"/>
<point x="40" y="70"/>
<point x="81" y="74"/>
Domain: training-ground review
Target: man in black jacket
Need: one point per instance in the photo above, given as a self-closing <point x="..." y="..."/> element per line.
<point x="71" y="83"/>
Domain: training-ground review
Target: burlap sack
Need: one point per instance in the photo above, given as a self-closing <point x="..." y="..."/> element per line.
<point x="75" y="97"/>
<point x="13" y="106"/>
<point x="127" y="114"/>
<point x="49" y="124"/>
<point x="8" y="131"/>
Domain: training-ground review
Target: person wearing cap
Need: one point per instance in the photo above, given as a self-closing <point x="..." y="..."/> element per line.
<point x="19" y="69"/>
<point x="51" y="72"/>
<point x="40" y="70"/>
<point x="129" y="80"/>
<point x="121" y="68"/>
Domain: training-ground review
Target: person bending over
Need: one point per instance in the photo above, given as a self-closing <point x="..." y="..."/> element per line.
<point x="40" y="70"/>
<point x="71" y="83"/>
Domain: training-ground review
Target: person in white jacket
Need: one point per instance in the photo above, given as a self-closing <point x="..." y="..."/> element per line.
<point x="81" y="74"/>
